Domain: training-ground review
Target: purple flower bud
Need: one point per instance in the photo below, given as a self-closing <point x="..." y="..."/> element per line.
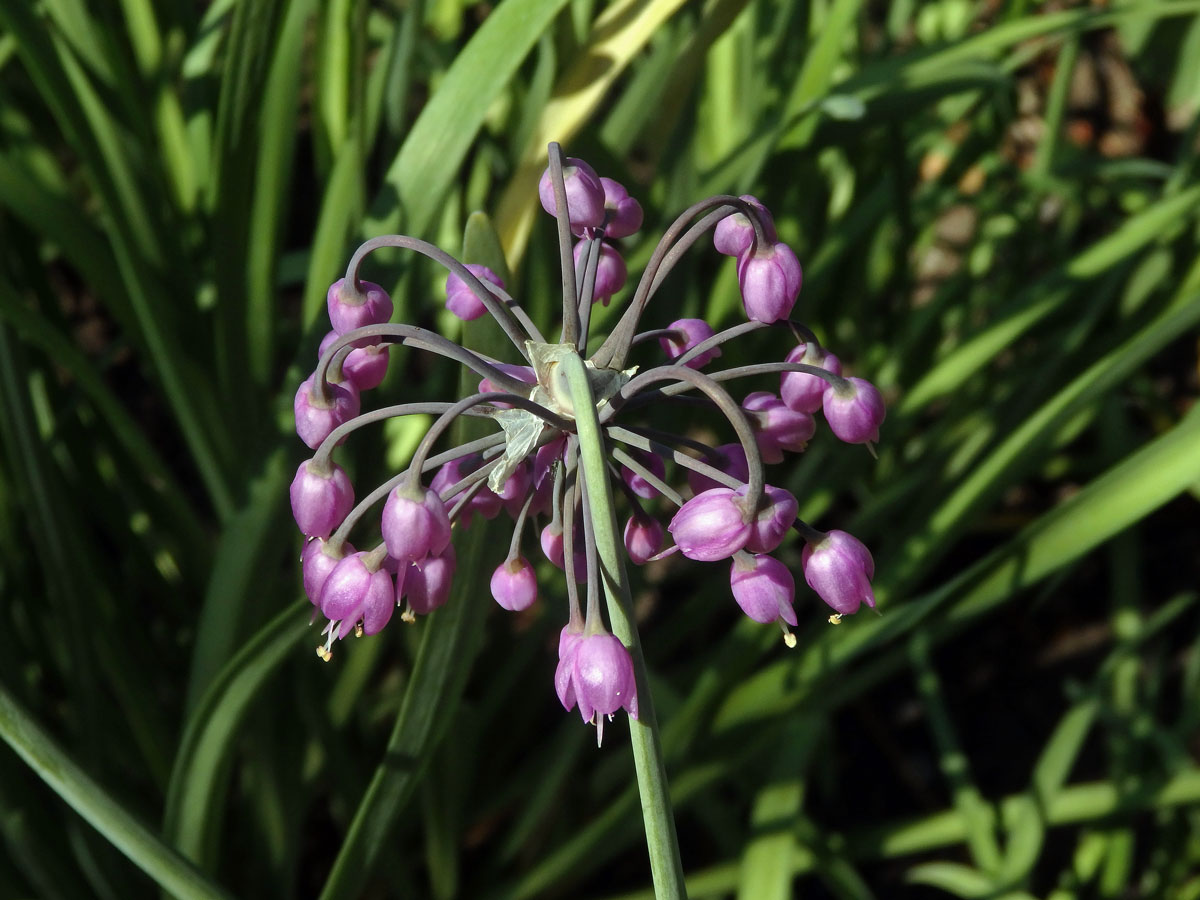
<point x="554" y="549"/>
<point x="763" y="587"/>
<point x="710" y="526"/>
<point x="637" y="483"/>
<point x="485" y="502"/>
<point x="521" y="373"/>
<point x="427" y="583"/>
<point x="776" y="426"/>
<point x="610" y="271"/>
<point x="585" y="194"/>
<point x="801" y="391"/>
<point x="643" y="538"/>
<point x="839" y="568"/>
<point x="315" y="419"/>
<point x="363" y="367"/>
<point x="413" y="529"/>
<point x="461" y="300"/>
<point x="317" y="561"/>
<point x="625" y="213"/>
<point x="773" y="519"/>
<point x="351" y="589"/>
<point x="770" y="279"/>
<point x="514" y="584"/>
<point x="734" y="234"/>
<point x="602" y="676"/>
<point x="350" y="309"/>
<point x="854" y="411"/>
<point x="551" y="540"/>
<point x="730" y="459"/>
<point x="321" y="498"/>
<point x="544" y="460"/>
<point x="689" y="333"/>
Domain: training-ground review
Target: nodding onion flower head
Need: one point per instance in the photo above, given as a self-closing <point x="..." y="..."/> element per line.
<point x="527" y="470"/>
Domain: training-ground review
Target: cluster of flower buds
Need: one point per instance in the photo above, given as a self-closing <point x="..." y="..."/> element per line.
<point x="529" y="468"/>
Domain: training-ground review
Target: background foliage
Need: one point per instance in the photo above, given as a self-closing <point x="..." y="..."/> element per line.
<point x="995" y="203"/>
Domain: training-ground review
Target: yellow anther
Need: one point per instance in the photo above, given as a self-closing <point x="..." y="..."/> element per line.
<point x="835" y="619"/>
<point x="790" y="640"/>
<point x="358" y="629"/>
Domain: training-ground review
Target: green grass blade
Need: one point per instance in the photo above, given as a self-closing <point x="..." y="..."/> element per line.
<point x="174" y="873"/>
<point x="417" y="180"/>
<point x="235" y="572"/>
<point x="277" y="126"/>
<point x="195" y="795"/>
<point x="451" y="635"/>
<point x="947" y="375"/>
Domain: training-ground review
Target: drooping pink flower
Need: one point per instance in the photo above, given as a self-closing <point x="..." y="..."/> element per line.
<point x="801" y="391"/>
<point x="461" y="300"/>
<point x="350" y="308"/>
<point x="585" y="194"/>
<point x="854" y="410"/>
<point x="840" y="568"/>
<point x="321" y="498"/>
<point x="763" y="587"/>
<point x="734" y="234"/>
<point x="710" y="526"/>
<point x="317" y="417"/>
<point x="514" y="584"/>
<point x="689" y="333"/>
<point x="770" y="279"/>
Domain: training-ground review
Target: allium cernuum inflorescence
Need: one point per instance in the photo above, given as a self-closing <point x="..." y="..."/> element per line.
<point x="712" y="500"/>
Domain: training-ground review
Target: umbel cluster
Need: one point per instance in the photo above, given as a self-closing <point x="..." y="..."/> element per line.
<point x="719" y="504"/>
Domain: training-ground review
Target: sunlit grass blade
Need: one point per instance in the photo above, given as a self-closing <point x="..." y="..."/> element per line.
<point x="420" y="175"/>
<point x="618" y="34"/>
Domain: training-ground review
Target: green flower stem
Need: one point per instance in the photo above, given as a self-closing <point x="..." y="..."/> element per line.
<point x="146" y="850"/>
<point x="661" y="841"/>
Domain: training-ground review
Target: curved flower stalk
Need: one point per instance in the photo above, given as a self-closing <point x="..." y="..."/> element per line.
<point x="570" y="433"/>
